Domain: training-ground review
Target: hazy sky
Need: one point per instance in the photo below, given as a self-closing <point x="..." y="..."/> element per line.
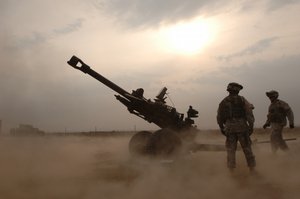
<point x="194" y="48"/>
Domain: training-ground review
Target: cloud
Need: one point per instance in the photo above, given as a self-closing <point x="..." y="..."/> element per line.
<point x="71" y="27"/>
<point x="277" y="4"/>
<point x="205" y="89"/>
<point x="138" y="13"/>
<point x="256" y="48"/>
<point x="38" y="37"/>
<point x="34" y="22"/>
<point x="34" y="39"/>
<point x="38" y="86"/>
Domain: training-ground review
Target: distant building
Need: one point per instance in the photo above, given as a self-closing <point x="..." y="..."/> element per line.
<point x="25" y="130"/>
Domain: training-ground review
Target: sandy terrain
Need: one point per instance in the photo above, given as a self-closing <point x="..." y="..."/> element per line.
<point x="101" y="167"/>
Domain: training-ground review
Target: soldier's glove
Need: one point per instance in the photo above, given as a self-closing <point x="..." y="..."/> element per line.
<point x="223" y="131"/>
<point x="292" y="126"/>
<point x="266" y="125"/>
<point x="250" y="130"/>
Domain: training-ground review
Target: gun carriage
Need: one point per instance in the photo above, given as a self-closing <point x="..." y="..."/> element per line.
<point x="176" y="132"/>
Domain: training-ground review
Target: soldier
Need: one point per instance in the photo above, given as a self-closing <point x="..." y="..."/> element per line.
<point x="276" y="118"/>
<point x="235" y="119"/>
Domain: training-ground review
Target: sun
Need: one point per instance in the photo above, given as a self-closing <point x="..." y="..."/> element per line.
<point x="188" y="37"/>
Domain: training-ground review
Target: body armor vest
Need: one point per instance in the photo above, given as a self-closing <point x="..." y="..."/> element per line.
<point x="277" y="114"/>
<point x="234" y="107"/>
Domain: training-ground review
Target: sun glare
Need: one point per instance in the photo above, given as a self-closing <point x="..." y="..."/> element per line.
<point x="187" y="38"/>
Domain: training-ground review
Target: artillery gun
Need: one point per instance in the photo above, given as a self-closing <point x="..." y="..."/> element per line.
<point x="177" y="132"/>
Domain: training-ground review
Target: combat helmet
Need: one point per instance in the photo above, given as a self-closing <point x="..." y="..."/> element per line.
<point x="233" y="86"/>
<point x="272" y="94"/>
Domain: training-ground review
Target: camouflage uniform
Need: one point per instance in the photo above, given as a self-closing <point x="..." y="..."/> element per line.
<point x="276" y="118"/>
<point x="235" y="119"/>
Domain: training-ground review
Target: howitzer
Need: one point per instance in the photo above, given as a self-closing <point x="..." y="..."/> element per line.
<point x="176" y="130"/>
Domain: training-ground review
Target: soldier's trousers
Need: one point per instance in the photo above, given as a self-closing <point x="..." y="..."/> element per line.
<point x="276" y="138"/>
<point x="231" y="146"/>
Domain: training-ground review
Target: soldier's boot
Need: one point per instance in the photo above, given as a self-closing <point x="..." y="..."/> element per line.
<point x="231" y="169"/>
<point x="250" y="158"/>
<point x="253" y="172"/>
<point x="275" y="143"/>
<point x="284" y="146"/>
<point x="274" y="149"/>
<point x="252" y="169"/>
<point x="231" y="159"/>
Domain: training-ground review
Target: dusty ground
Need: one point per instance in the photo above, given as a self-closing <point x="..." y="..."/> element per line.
<point x="95" y="167"/>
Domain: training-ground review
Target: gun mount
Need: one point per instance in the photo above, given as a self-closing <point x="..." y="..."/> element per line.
<point x="175" y="129"/>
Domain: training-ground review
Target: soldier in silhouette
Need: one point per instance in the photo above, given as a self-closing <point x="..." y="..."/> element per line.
<point x="235" y="119"/>
<point x="276" y="118"/>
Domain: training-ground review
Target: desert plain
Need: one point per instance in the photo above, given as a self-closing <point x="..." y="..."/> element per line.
<point x="89" y="167"/>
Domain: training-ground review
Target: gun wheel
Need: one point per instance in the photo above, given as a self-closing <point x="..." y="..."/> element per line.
<point x="165" y="143"/>
<point x="139" y="142"/>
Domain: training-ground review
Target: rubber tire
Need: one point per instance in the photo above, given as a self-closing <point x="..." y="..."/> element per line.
<point x="164" y="143"/>
<point x="138" y="144"/>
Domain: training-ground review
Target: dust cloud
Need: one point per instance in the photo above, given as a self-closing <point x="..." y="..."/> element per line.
<point x="101" y="167"/>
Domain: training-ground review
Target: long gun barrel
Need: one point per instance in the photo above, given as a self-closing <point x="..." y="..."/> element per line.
<point x="157" y="111"/>
<point x="77" y="63"/>
<point x="268" y="141"/>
